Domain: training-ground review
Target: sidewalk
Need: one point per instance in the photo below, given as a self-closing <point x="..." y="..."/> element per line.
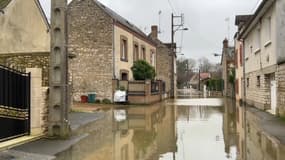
<point x="271" y="125"/>
<point x="90" y="107"/>
<point x="47" y="149"/>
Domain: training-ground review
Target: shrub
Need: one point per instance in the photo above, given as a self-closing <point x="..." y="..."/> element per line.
<point x="142" y="70"/>
<point x="98" y="101"/>
<point x="122" y="88"/>
<point x="106" y="101"/>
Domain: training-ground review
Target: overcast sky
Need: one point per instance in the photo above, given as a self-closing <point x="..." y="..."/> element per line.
<point x="204" y="18"/>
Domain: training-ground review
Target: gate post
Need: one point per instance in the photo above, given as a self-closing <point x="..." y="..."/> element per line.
<point x="58" y="82"/>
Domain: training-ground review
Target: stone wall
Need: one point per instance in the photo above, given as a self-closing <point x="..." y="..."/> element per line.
<point x="29" y="60"/>
<point x="90" y="39"/>
<point x="281" y="89"/>
<point x="163" y="67"/>
<point x="258" y="95"/>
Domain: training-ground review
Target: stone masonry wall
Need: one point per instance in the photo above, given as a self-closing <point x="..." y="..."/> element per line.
<point x="163" y="68"/>
<point x="90" y="39"/>
<point x="30" y="60"/>
<point x="281" y="89"/>
<point x="258" y="96"/>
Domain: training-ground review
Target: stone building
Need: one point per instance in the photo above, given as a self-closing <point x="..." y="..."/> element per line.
<point x="263" y="40"/>
<point x="163" y="65"/>
<point x="25" y="46"/>
<point x="240" y="21"/>
<point x="105" y="46"/>
<point x="228" y="67"/>
<point x="24" y="36"/>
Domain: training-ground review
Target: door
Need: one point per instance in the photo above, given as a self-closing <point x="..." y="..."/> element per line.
<point x="273" y="96"/>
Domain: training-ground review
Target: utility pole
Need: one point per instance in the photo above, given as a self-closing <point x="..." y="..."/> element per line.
<point x="172" y="58"/>
<point x="173" y="48"/>
<point x="199" y="75"/>
<point x="58" y="122"/>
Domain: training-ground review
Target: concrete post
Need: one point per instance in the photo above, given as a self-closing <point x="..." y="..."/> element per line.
<point x="58" y="81"/>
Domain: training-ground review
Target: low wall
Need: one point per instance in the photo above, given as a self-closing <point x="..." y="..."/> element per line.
<point x="142" y="92"/>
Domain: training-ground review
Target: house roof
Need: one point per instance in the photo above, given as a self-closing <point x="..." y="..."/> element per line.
<point x="119" y="19"/>
<point x="4" y="3"/>
<point x="254" y="19"/>
<point x="42" y="13"/>
<point x="205" y="76"/>
<point x="242" y="19"/>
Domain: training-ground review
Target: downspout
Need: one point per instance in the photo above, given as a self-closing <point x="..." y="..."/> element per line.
<point x="113" y="49"/>
<point x="244" y="100"/>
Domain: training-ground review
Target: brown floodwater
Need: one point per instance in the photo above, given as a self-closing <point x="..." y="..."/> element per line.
<point x="185" y="129"/>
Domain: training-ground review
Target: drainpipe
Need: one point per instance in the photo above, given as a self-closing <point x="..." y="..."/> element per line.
<point x="244" y="99"/>
<point x="113" y="48"/>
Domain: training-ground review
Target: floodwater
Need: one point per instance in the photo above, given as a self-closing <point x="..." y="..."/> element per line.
<point x="181" y="129"/>
<point x="184" y="129"/>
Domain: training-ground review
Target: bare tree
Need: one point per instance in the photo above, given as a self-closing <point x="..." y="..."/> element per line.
<point x="185" y="69"/>
<point x="204" y="64"/>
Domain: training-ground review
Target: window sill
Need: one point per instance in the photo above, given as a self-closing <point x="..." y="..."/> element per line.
<point x="267" y="43"/>
<point x="124" y="60"/>
<point x="257" y="51"/>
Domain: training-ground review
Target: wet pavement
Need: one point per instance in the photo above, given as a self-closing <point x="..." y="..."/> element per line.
<point x="182" y="129"/>
<point x="172" y="130"/>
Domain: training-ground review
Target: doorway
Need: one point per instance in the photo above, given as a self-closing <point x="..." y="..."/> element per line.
<point x="273" y="95"/>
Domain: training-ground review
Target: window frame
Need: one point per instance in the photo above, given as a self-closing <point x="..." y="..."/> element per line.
<point x="124" y="48"/>
<point x="143" y="52"/>
<point x="136" y="50"/>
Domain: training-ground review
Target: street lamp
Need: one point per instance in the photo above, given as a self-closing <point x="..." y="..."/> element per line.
<point x="173" y="30"/>
<point x="217" y="55"/>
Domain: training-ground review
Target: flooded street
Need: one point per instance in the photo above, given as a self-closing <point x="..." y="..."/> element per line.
<point x="166" y="131"/>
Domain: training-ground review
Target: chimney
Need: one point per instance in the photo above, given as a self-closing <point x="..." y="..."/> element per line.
<point x="225" y="43"/>
<point x="154" y="31"/>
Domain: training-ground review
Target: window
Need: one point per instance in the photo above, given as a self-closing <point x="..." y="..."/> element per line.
<point x="236" y="58"/>
<point x="258" y="39"/>
<point x="258" y="81"/>
<point x="240" y="54"/>
<point x="237" y="86"/>
<point x="247" y="82"/>
<point x="143" y="56"/>
<point x="152" y="58"/>
<point x="136" y="52"/>
<point x="124" y="75"/>
<point x="268" y="29"/>
<point x="124" y="48"/>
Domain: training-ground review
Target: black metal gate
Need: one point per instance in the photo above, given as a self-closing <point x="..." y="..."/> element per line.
<point x="14" y="103"/>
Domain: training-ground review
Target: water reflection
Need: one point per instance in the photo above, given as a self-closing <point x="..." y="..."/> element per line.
<point x="146" y="133"/>
<point x="166" y="131"/>
<point x="255" y="141"/>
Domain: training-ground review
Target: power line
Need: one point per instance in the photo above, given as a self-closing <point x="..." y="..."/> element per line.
<point x="171" y="6"/>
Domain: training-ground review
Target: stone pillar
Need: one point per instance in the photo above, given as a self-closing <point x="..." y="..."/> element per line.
<point x="37" y="101"/>
<point x="115" y="85"/>
<point x="147" y="91"/>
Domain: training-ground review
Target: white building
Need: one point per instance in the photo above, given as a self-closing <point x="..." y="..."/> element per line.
<point x="264" y="38"/>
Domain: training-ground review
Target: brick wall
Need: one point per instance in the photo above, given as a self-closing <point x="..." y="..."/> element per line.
<point x="281" y="89"/>
<point x="90" y="39"/>
<point x="163" y="67"/>
<point x="258" y="95"/>
<point x="29" y="60"/>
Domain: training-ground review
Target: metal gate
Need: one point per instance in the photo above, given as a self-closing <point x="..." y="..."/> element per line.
<point x="14" y="103"/>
